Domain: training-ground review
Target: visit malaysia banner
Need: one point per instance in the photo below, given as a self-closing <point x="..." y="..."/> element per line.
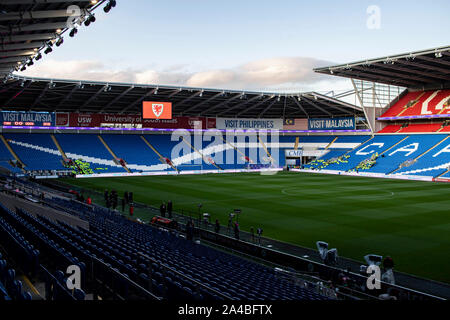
<point x="246" y="124"/>
<point x="15" y="118"/>
<point x="331" y="124"/>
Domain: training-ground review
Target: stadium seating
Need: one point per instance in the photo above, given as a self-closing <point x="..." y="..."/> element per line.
<point x="399" y="106"/>
<point x="340" y="146"/>
<point x="16" y="232"/>
<point x="421" y="103"/>
<point x="334" y="154"/>
<point x="180" y="269"/>
<point x="433" y="163"/>
<point x="378" y="145"/>
<point x="5" y="157"/>
<point x="392" y="128"/>
<point x="23" y="252"/>
<point x="421" y="127"/>
<point x="348" y="142"/>
<point x="446" y="175"/>
<point x="89" y="148"/>
<point x="133" y="149"/>
<point x="422" y="155"/>
<point x="445" y="129"/>
<point x="408" y="150"/>
<point x="39" y="152"/>
<point x="331" y="156"/>
<point x="36" y="151"/>
<point x="10" y="288"/>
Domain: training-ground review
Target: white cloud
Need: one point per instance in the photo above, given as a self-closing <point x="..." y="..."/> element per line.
<point x="294" y="74"/>
<point x="213" y="78"/>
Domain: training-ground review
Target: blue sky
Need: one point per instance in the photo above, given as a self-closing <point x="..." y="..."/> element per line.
<point x="242" y="44"/>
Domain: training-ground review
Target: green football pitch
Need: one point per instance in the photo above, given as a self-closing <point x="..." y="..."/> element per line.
<point x="407" y="220"/>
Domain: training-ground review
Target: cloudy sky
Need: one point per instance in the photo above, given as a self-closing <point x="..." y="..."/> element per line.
<point x="243" y="44"/>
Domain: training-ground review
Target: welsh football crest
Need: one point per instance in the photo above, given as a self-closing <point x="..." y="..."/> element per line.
<point x="158" y="109"/>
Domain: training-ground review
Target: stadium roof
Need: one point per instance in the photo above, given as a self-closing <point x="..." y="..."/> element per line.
<point x="427" y="69"/>
<point x="40" y="94"/>
<point x="28" y="27"/>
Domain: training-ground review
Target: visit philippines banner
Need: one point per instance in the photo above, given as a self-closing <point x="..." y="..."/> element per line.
<point x="249" y="124"/>
<point x="332" y="123"/>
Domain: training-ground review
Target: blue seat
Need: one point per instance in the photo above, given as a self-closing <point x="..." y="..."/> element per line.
<point x="79" y="294"/>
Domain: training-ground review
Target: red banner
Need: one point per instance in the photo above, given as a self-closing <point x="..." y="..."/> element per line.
<point x="98" y="120"/>
<point x="211" y="123"/>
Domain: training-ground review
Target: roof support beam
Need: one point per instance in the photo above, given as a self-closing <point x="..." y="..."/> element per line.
<point x="424" y="66"/>
<point x="139" y="100"/>
<point x="240" y="104"/>
<point x="40" y="26"/>
<point x="203" y="102"/>
<point x="254" y="106"/>
<point x="15" y="95"/>
<point x="410" y="73"/>
<point x="45" y="14"/>
<point x="67" y="97"/>
<point x="393" y="74"/>
<point x="19" y="46"/>
<point x="336" y="101"/>
<point x="373" y="78"/>
<point x="120" y="96"/>
<point x="6" y="87"/>
<point x="335" y="107"/>
<point x="40" y="96"/>
<point x="174" y="93"/>
<point x="436" y="60"/>
<point x="94" y="96"/>
<point x="316" y="106"/>
<point x="267" y="108"/>
<point x="17" y="54"/>
<point x="239" y="95"/>
<point x="300" y="106"/>
<point x="29" y="37"/>
<point x="189" y="98"/>
<point x="15" y="2"/>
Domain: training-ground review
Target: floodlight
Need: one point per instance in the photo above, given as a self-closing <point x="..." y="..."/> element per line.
<point x="111" y="4"/>
<point x="59" y="42"/>
<point x="73" y="32"/>
<point x="89" y="20"/>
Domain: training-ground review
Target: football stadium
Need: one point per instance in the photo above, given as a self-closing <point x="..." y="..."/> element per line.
<point x="127" y="191"/>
